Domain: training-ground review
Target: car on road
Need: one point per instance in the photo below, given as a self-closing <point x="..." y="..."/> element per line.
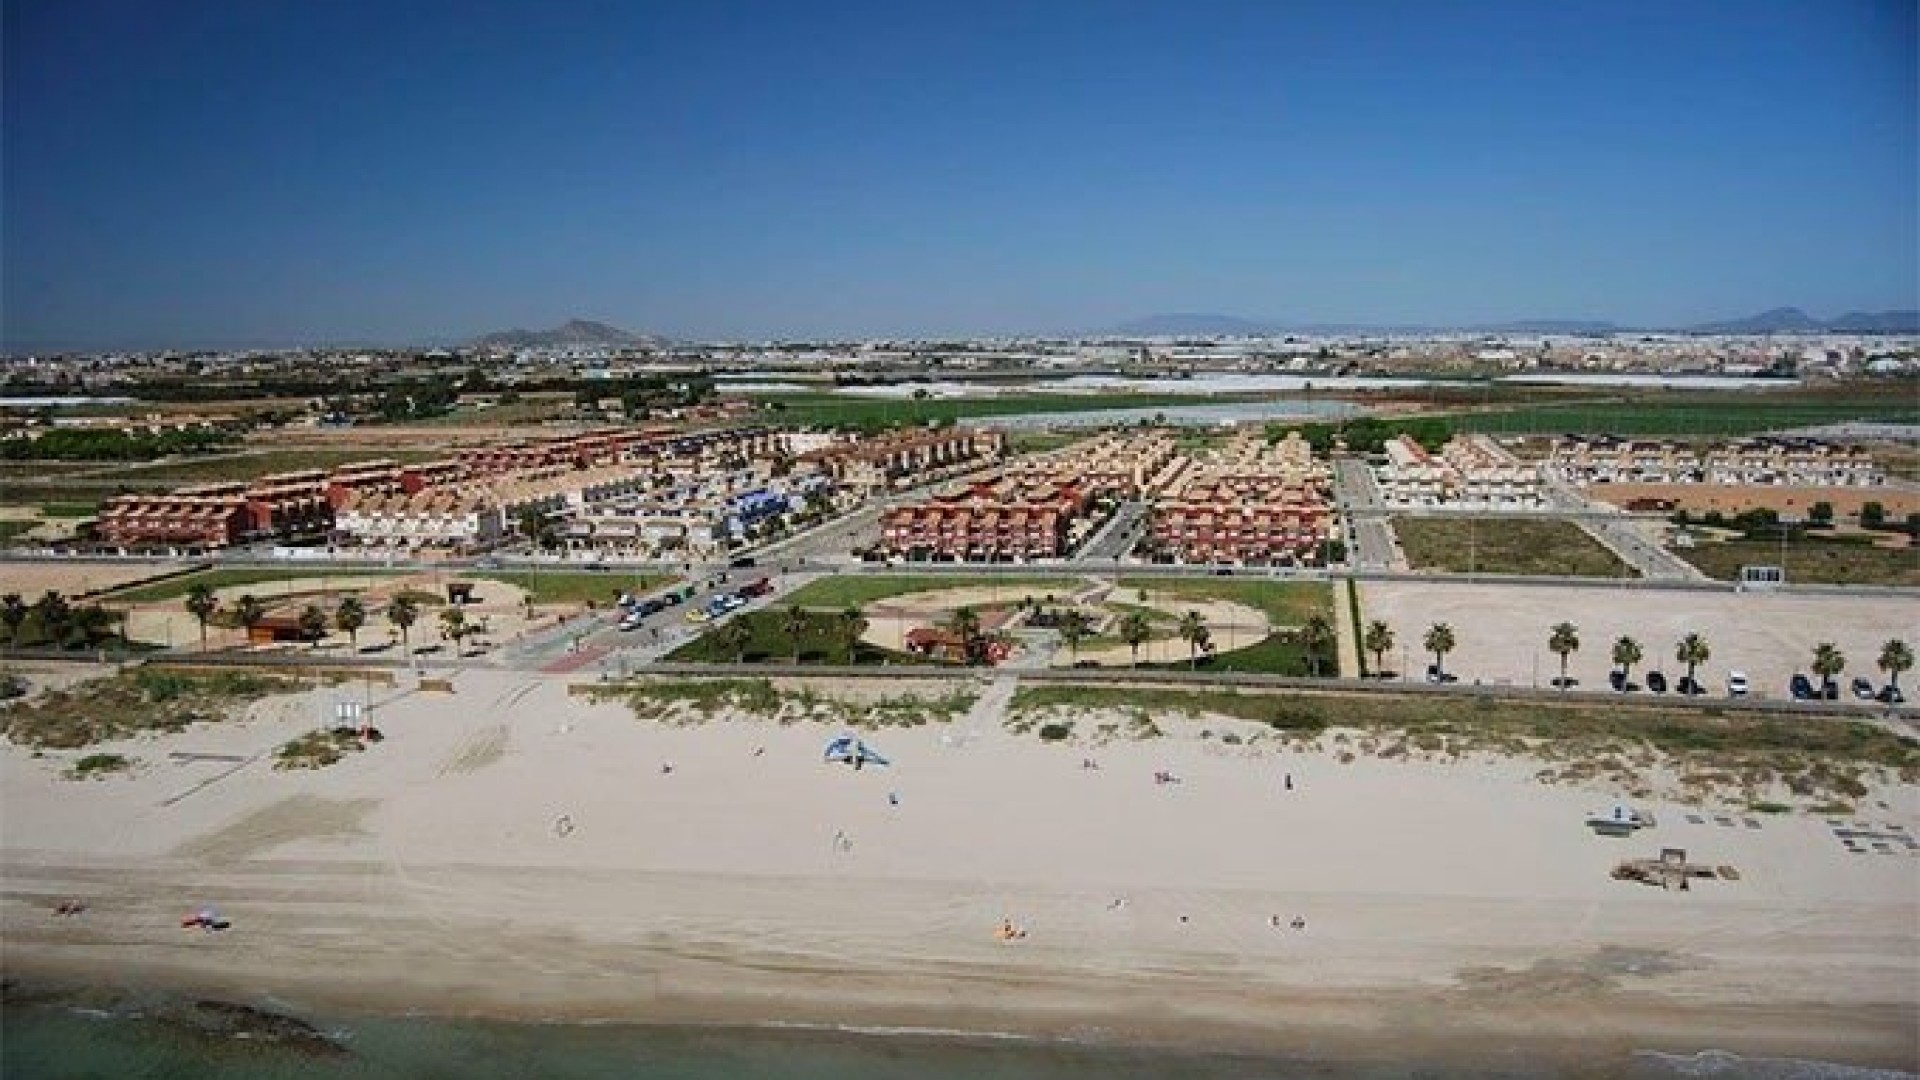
<point x="1863" y="688"/>
<point x="1737" y="685"/>
<point x="631" y="622"/>
<point x="1657" y="682"/>
<point x="1800" y="687"/>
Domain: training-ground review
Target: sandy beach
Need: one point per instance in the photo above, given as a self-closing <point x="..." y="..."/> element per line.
<point x="514" y="851"/>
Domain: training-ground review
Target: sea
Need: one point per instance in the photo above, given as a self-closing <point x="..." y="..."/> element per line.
<point x="63" y="1040"/>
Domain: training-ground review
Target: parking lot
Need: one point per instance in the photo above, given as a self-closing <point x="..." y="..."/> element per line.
<point x="1501" y="631"/>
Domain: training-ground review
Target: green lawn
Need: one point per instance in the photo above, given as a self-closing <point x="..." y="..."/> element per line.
<point x="822" y="642"/>
<point x="1284" y="603"/>
<point x="69" y="509"/>
<point x="174" y="588"/>
<point x="1826" y="561"/>
<point x="12" y="527"/>
<point x="1505" y="546"/>
<point x="575" y="586"/>
<point x="840" y="591"/>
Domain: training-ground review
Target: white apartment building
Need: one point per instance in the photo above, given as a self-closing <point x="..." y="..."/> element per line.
<point x="1471" y="471"/>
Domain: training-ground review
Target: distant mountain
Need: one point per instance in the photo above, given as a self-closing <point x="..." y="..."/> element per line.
<point x="574" y="332"/>
<point x="1877" y="322"/>
<point x="1785" y="320"/>
<point x="1191" y="325"/>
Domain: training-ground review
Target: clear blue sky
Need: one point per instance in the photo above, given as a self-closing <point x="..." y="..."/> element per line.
<point x="206" y="171"/>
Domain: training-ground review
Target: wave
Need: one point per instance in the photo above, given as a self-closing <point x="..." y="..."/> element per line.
<point x="909" y="1031"/>
<point x="1716" y="1063"/>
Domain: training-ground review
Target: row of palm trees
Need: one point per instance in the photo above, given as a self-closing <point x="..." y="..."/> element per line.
<point x="1693" y="650"/>
<point x="348" y="617"/>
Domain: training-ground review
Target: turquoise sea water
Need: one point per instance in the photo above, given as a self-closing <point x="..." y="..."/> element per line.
<point x="72" y="1042"/>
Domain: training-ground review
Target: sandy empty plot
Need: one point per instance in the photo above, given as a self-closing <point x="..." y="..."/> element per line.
<point x="296" y="817"/>
<point x="1501" y="630"/>
<point x="31" y="578"/>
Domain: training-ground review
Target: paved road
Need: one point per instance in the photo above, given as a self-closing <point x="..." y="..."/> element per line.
<point x="1372" y="540"/>
<point x="1118" y="535"/>
<point x="1622" y="534"/>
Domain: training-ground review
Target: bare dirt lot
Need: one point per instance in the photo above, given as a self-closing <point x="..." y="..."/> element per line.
<point x="1501" y="630"/>
<point x="30" y="578"/>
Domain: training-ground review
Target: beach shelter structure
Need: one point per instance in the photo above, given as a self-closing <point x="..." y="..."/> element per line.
<point x="851" y="751"/>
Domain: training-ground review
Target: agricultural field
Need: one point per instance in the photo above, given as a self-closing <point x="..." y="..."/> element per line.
<point x="1850" y="560"/>
<point x="246" y="466"/>
<point x="1505" y="546"/>
<point x="869" y="414"/>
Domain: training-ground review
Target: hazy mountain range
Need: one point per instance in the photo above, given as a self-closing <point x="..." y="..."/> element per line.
<point x="1784" y="320"/>
<point x="572" y="332"/>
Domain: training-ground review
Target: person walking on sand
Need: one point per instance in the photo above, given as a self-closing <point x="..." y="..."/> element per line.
<point x="1289" y="781"/>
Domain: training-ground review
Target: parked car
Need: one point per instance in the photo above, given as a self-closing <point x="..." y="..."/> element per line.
<point x="742" y="562"/>
<point x="1830" y="690"/>
<point x="1863" y="688"/>
<point x="1800" y="687"/>
<point x="1890" y="695"/>
<point x="1656" y="682"/>
<point x="699" y="615"/>
<point x="631" y="622"/>
<point x="1435" y="675"/>
<point x="1737" y="685"/>
<point x="1617" y="680"/>
<point x="1689" y="686"/>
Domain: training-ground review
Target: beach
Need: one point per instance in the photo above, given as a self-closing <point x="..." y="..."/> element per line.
<point x="515" y="852"/>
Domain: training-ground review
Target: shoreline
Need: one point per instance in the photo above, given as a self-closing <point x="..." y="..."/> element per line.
<point x="1356" y="1029"/>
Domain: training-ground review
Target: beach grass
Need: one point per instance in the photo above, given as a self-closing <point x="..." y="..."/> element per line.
<point x="1824" y="560"/>
<point x="1506" y="546"/>
<point x="96" y="766"/>
<point x="1741" y="756"/>
<point x="318" y="749"/>
<point x="117" y="706"/>
<point x="697" y="700"/>
<point x="845" y="590"/>
<point x="230" y="577"/>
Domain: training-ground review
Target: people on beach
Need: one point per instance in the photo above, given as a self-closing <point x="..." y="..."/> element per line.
<point x="1299" y="923"/>
<point x="1009" y="932"/>
<point x="1289" y="782"/>
<point x="69" y="907"/>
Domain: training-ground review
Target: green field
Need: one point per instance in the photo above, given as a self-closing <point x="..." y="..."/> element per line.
<point x="69" y="509"/>
<point x="12" y="527"/>
<point x="822" y="642"/>
<point x="1505" y="546"/>
<point x="867" y="414"/>
<point x="575" y="586"/>
<point x="1695" y="413"/>
<point x="1809" y="561"/>
<point x="175" y="588"/>
<point x="838" y="592"/>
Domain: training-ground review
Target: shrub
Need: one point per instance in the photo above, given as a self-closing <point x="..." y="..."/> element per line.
<point x="99" y="765"/>
<point x="1055" y="732"/>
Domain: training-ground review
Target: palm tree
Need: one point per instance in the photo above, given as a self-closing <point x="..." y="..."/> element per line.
<point x="1564" y="641"/>
<point x="13" y="612"/>
<point x="853" y="623"/>
<point x="1439" y="642"/>
<point x="1074" y="628"/>
<point x="1316" y="635"/>
<point x="1135" y="630"/>
<point x="248" y="611"/>
<point x="56" y="615"/>
<point x="1895" y="657"/>
<point x="1193" y="630"/>
<point x="793" y="624"/>
<point x="453" y="627"/>
<point x="1828" y="661"/>
<point x="1378" y="641"/>
<point x="735" y="636"/>
<point x="403" y="611"/>
<point x="1626" y="653"/>
<point x="350" y="616"/>
<point x="202" y="604"/>
<point x="313" y="623"/>
<point x="965" y="622"/>
<point x="1692" y="651"/>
